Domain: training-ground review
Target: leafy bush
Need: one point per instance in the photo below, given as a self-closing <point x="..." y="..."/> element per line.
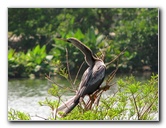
<point x="33" y="63"/>
<point x="17" y="115"/>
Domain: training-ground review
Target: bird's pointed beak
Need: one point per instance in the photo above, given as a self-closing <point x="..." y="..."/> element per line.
<point x="62" y="39"/>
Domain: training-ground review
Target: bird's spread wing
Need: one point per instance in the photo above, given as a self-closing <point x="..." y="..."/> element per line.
<point x="84" y="49"/>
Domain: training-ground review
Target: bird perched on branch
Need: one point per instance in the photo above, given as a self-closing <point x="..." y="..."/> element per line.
<point x="91" y="79"/>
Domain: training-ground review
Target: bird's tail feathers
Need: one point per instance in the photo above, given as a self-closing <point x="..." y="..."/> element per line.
<point x="66" y="104"/>
<point x="64" y="107"/>
<point x="71" y="107"/>
<point x="67" y="107"/>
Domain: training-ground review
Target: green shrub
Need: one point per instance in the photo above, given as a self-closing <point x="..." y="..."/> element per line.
<point x="33" y="63"/>
<point x="17" y="115"/>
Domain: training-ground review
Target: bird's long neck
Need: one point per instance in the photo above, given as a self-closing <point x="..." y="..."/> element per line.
<point x="89" y="58"/>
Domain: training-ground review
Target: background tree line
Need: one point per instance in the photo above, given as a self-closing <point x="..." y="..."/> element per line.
<point x="34" y="50"/>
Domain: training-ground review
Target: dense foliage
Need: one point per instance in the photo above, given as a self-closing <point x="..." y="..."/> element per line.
<point x="32" y="64"/>
<point x="102" y="29"/>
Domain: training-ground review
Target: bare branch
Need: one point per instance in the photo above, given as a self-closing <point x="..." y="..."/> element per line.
<point x="78" y="72"/>
<point x="68" y="69"/>
<point x="115" y="58"/>
<point x="155" y="98"/>
<point x="52" y="81"/>
<point x="49" y="79"/>
<point x="55" y="114"/>
<point x="102" y="54"/>
<point x="40" y="117"/>
<point x="111" y="76"/>
<point x="135" y="104"/>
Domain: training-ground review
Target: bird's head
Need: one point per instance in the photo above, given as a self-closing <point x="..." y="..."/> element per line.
<point x="72" y="40"/>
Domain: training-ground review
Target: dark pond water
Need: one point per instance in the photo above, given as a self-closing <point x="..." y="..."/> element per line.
<point x="24" y="95"/>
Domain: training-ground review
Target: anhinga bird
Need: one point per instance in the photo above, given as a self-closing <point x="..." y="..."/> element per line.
<point x="91" y="79"/>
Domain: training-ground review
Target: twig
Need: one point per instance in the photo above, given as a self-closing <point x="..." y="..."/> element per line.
<point x="49" y="79"/>
<point x="48" y="41"/>
<point x="83" y="102"/>
<point x="102" y="55"/>
<point x="98" y="98"/>
<point x="40" y="117"/>
<point x="142" y="109"/>
<point x="115" y="58"/>
<point x="136" y="106"/>
<point x="55" y="114"/>
<point x="150" y="105"/>
<point x="78" y="72"/>
<point x="68" y="69"/>
<point x="111" y="76"/>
